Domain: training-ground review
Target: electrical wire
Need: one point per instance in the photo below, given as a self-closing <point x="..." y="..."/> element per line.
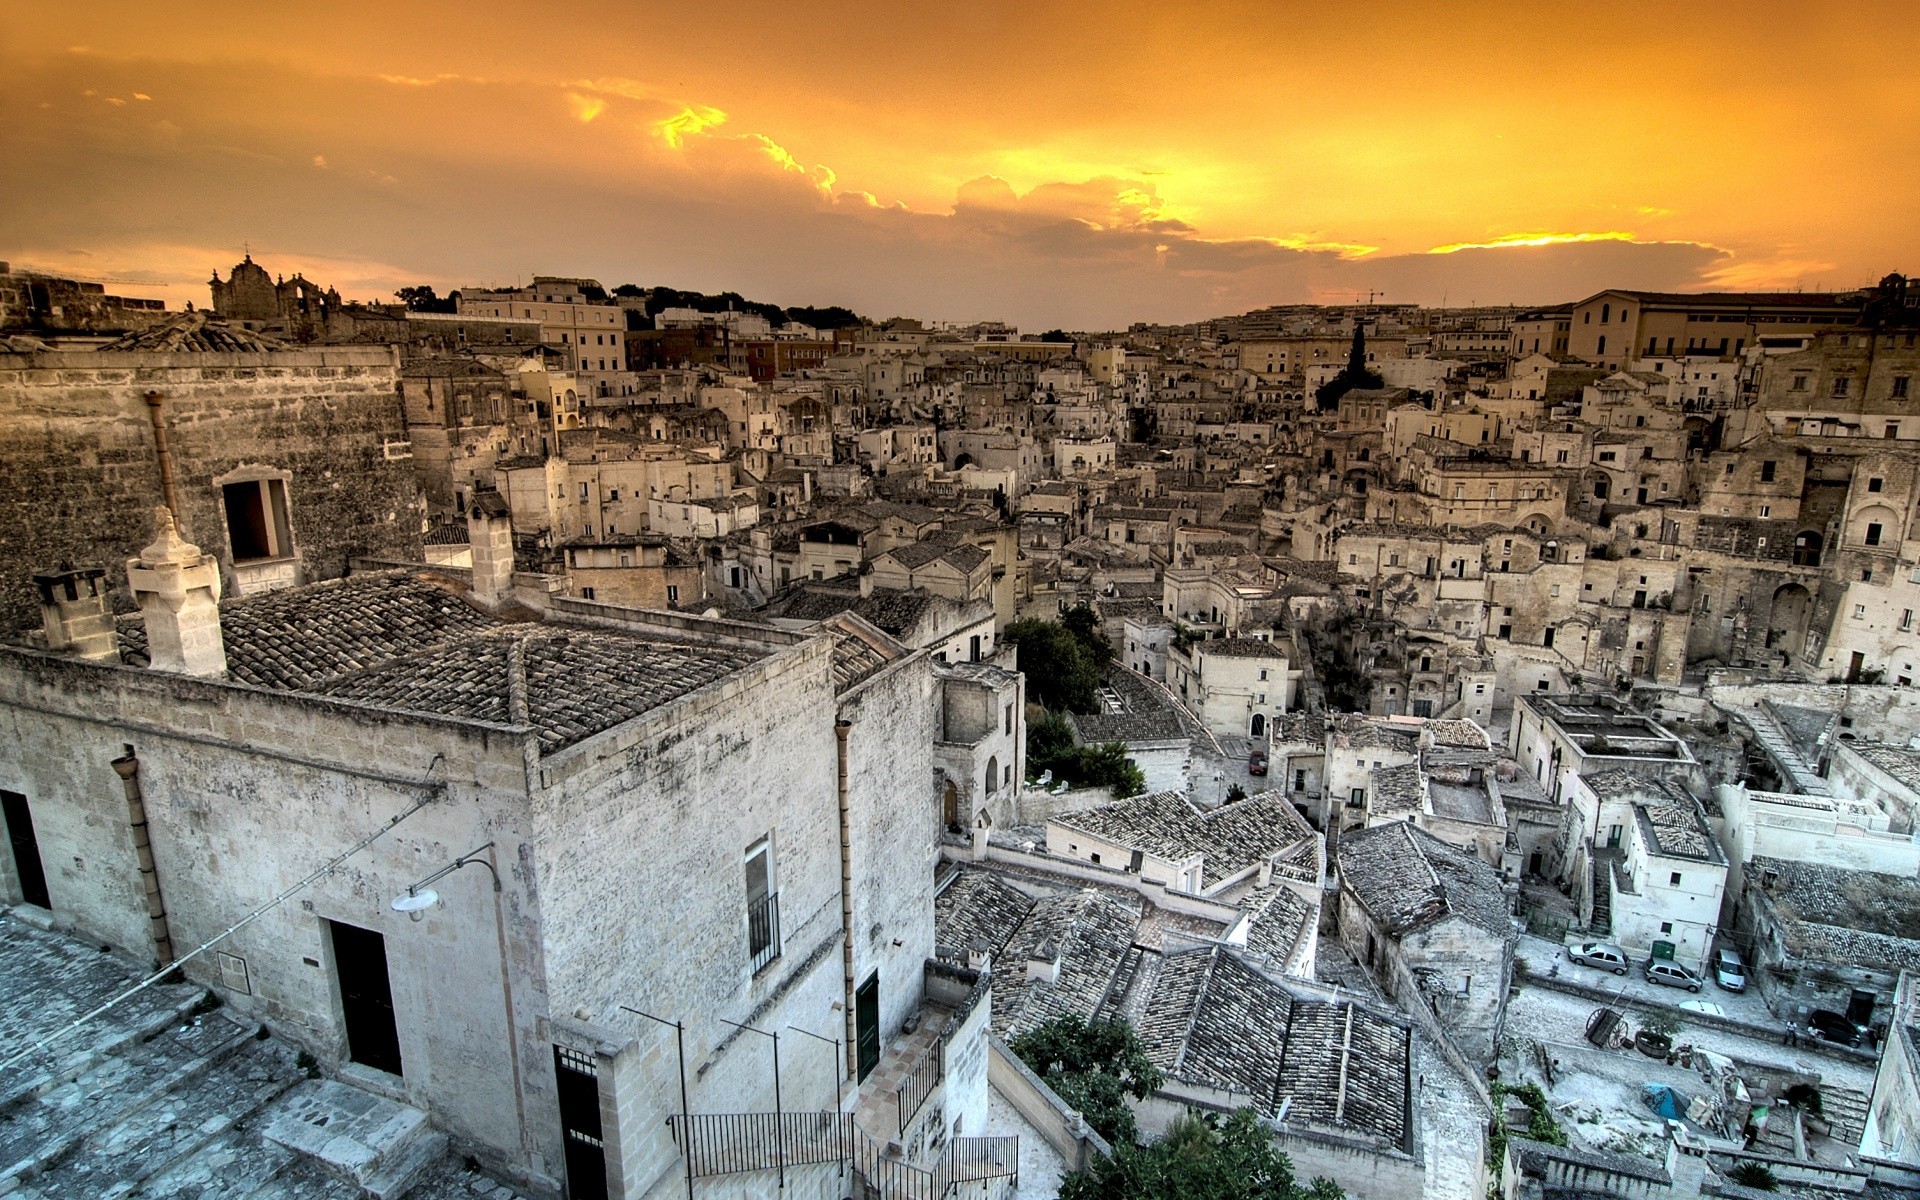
<point x="331" y="864"/>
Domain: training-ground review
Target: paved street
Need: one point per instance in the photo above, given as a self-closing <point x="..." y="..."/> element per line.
<point x="1544" y="957"/>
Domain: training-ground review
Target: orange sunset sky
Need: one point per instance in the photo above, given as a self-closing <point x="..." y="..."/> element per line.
<point x="1071" y="165"/>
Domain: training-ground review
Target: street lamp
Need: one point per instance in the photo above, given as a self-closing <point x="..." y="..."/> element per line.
<point x="419" y="897"/>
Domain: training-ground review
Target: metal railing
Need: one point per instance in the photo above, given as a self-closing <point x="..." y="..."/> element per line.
<point x="763" y="930"/>
<point x="921" y="1081"/>
<point x="738" y="1143"/>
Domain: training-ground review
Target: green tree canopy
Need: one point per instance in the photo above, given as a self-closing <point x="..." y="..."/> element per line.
<point x="1200" y="1158"/>
<point x="1093" y="1067"/>
<point x="1062" y="669"/>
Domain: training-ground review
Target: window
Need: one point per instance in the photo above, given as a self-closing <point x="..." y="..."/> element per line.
<point x="1767" y="471"/>
<point x="586" y="593"/>
<point x="1667" y="926"/>
<point x="1009" y="718"/>
<point x="763" y="905"/>
<point x="1673" y="880"/>
<point x="673" y="593"/>
<point x="1874" y="485"/>
<point x="257" y="526"/>
<point x="1900" y="387"/>
<point x="1358" y="799"/>
<point x="1859" y="612"/>
<point x="1841" y="386"/>
<point x="1873" y="533"/>
<point x="1603" y="344"/>
<point x="1799" y="384"/>
<point x="1766" y="510"/>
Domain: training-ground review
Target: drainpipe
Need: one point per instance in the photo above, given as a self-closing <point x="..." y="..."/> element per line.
<point x="128" y="768"/>
<point x="840" y="731"/>
<point x="154" y="402"/>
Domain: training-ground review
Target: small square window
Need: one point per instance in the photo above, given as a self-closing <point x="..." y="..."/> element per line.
<point x="1673" y="880"/>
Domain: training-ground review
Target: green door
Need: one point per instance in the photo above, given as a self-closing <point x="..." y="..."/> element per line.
<point x="1663" y="950"/>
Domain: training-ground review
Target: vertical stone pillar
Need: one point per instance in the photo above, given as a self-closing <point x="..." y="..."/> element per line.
<point x="178" y="590"/>
<point x="73" y="614"/>
<point x="490" y="536"/>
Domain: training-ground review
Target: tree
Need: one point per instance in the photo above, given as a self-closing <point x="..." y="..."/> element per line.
<point x="1093" y="1067"/>
<point x="1354" y="375"/>
<point x="422" y="298"/>
<point x="1200" y="1158"/>
<point x="1057" y="335"/>
<point x="1062" y="675"/>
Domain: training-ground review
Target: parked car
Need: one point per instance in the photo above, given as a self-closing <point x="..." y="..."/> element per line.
<point x="1728" y="971"/>
<point x="1830" y="1026"/>
<point x="1257" y="762"/>
<point x="1672" y="974"/>
<point x="1704" y="1007"/>
<point x="1604" y="955"/>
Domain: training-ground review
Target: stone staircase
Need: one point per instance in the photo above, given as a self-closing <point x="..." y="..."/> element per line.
<point x="171" y="1096"/>
<point x="1845" y="1109"/>
<point x="1602" y="923"/>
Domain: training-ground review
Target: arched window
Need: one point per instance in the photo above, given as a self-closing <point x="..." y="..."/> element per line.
<point x="993" y="773"/>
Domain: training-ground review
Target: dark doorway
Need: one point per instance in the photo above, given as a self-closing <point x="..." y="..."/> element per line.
<point x="26" y="850"/>
<point x="1258" y="726"/>
<point x="578" y="1078"/>
<point x="866" y="1025"/>
<point x="366" y="997"/>
<point x="1860" y="1007"/>
<point x="1855" y="665"/>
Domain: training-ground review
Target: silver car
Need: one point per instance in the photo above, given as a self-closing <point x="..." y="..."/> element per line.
<point x="1728" y="971"/>
<point x="1672" y="974"/>
<point x="1605" y="955"/>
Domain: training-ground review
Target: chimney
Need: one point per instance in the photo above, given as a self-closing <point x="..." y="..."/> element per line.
<point x="490" y="535"/>
<point x="178" y="590"/>
<point x="73" y="614"/>
<point x="1044" y="963"/>
<point x="977" y="954"/>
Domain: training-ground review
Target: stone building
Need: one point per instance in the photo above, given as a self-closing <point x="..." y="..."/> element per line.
<point x="251" y="298"/>
<point x="691" y="818"/>
<point x="282" y="463"/>
<point x="1432" y="923"/>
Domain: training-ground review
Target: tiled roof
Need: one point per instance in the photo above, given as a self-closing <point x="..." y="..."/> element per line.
<point x="196" y="332"/>
<point x="1397" y="791"/>
<point x="397" y="640"/>
<point x="1408" y="879"/>
<point x="1902" y="764"/>
<point x="978" y="905"/>
<point x="1240" y="647"/>
<point x="1092" y="930"/>
<point x="1843" y="917"/>
<point x="860" y="650"/>
<point x="1167" y="825"/>
<point x="1211" y="1019"/>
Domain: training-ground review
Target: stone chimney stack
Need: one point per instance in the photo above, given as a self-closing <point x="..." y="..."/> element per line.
<point x="73" y="614"/>
<point x="1043" y="965"/>
<point x="490" y="536"/>
<point x="178" y="590"/>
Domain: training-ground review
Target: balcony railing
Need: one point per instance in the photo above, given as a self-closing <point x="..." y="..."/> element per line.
<point x="738" y="1143"/>
<point x="919" y="1084"/>
<point x="763" y="931"/>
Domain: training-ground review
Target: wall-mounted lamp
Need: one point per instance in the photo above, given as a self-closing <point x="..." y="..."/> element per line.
<point x="419" y="897"/>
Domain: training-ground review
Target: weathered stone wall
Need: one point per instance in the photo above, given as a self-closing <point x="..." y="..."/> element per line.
<point x="82" y="477"/>
<point x="893" y="825"/>
<point x="642" y="834"/>
<point x="249" y="791"/>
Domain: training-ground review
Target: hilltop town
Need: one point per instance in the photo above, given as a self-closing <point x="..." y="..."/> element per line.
<point x="561" y="740"/>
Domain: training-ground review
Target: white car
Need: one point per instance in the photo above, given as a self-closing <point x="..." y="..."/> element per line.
<point x="1706" y="1007"/>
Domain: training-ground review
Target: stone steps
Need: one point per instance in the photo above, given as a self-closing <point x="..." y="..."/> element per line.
<point x="38" y="1130"/>
<point x="171" y="1126"/>
<point x="379" y="1145"/>
<point x="167" y="1096"/>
